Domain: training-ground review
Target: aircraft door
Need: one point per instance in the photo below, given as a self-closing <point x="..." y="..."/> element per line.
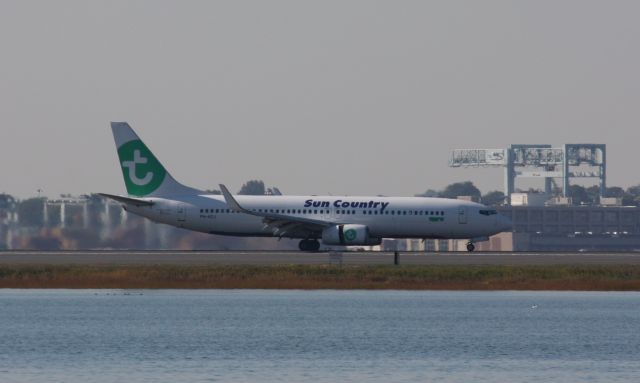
<point x="462" y="215"/>
<point x="181" y="213"/>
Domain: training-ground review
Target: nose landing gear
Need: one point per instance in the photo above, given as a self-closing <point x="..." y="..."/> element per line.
<point x="470" y="246"/>
<point x="309" y="245"/>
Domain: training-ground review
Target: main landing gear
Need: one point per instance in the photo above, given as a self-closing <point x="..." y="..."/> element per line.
<point x="470" y="246"/>
<point x="309" y="245"/>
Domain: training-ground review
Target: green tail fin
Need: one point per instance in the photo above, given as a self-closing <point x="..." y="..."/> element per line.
<point x="143" y="174"/>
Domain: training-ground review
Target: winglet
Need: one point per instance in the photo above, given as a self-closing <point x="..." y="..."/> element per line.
<point x="235" y="206"/>
<point x="230" y="200"/>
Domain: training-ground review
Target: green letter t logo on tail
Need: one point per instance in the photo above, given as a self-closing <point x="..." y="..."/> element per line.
<point x="141" y="170"/>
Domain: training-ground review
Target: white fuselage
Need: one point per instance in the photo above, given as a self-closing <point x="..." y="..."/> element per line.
<point x="386" y="217"/>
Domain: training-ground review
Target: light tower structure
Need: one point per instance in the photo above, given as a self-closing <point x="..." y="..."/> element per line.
<point x="539" y="161"/>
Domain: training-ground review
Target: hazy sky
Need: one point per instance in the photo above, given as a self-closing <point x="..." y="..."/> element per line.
<point x="353" y="97"/>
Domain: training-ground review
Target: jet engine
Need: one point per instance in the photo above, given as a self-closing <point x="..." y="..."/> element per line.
<point x="348" y="235"/>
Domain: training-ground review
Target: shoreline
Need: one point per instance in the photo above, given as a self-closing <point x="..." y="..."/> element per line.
<point x="318" y="277"/>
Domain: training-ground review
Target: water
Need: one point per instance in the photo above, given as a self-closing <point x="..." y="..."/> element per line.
<point x="319" y="336"/>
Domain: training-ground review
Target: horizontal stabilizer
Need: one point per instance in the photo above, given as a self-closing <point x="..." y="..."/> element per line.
<point x="127" y="200"/>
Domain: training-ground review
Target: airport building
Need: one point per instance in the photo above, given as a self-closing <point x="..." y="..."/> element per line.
<point x="549" y="221"/>
<point x="549" y="228"/>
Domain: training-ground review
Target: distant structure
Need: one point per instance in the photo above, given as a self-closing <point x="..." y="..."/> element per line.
<point x="539" y="161"/>
<point x="548" y="222"/>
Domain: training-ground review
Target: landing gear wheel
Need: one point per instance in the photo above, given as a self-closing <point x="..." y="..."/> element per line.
<point x="309" y="245"/>
<point x="470" y="246"/>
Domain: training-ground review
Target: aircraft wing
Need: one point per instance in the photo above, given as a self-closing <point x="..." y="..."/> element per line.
<point x="280" y="224"/>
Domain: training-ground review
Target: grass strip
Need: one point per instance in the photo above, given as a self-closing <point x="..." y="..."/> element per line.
<point x="577" y="278"/>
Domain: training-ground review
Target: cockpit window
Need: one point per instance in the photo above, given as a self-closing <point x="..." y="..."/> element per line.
<point x="488" y="212"/>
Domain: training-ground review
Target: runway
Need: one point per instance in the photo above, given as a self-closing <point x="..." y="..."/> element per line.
<point x="190" y="258"/>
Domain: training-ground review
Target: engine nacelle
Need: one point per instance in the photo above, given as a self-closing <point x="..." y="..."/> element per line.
<point x="348" y="235"/>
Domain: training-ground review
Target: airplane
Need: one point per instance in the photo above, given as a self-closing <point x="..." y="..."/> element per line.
<point x="333" y="220"/>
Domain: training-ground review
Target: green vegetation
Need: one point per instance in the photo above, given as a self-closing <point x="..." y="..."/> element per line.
<point x="493" y="198"/>
<point x="591" y="195"/>
<point x="580" y="195"/>
<point x="454" y="190"/>
<point x="253" y="187"/>
<point x="587" y="278"/>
